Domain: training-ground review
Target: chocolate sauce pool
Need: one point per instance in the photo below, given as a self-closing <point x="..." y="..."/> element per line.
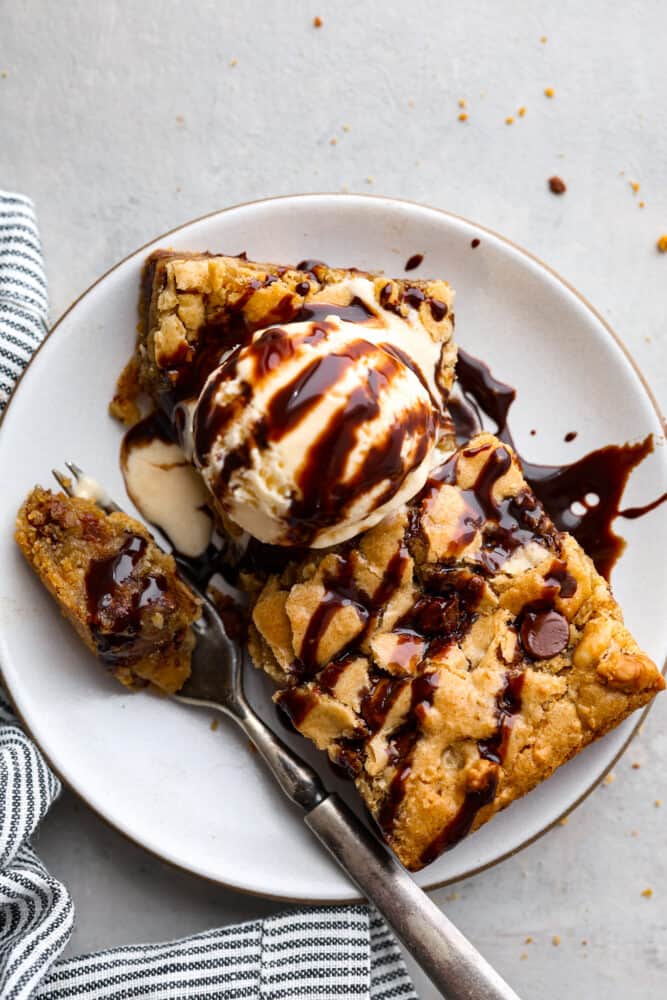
<point x="582" y="497"/>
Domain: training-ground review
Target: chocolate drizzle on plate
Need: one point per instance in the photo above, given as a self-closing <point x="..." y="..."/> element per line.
<point x="582" y="497"/>
<point x="412" y="263"/>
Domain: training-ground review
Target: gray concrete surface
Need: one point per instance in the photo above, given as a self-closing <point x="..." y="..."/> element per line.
<point x="125" y="119"/>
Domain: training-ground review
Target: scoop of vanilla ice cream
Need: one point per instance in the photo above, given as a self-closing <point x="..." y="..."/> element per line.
<point x="316" y="430"/>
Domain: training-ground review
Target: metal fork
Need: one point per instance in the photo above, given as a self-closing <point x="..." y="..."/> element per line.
<point x="216" y="682"/>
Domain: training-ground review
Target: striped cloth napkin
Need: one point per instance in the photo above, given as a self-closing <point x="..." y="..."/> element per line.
<point x="331" y="953"/>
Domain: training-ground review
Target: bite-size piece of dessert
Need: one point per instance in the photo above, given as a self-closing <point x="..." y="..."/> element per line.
<point x="119" y="590"/>
<point x="452" y="657"/>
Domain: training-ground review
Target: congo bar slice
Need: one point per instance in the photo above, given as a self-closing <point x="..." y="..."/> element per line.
<point x="453" y="656"/>
<point x="116" y="587"/>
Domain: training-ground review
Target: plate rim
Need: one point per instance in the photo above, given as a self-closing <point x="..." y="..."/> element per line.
<point x="338" y="195"/>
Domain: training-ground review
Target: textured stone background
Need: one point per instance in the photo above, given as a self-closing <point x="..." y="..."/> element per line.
<point x="125" y="119"/>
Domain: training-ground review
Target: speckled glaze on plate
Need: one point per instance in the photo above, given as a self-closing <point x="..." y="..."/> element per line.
<point x="199" y="798"/>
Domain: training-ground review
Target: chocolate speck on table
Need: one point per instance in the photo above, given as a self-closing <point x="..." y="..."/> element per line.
<point x="533" y="432"/>
<point x="413" y="262"/>
<point x="570" y="436"/>
<point x="475" y="243"/>
<point x="557" y="185"/>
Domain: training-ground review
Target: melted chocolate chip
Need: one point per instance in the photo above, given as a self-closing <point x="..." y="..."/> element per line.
<point x="413" y="297"/>
<point x="310" y="264"/>
<point x="544" y="633"/>
<point x="570" y="436"/>
<point x="438" y="309"/>
<point x="475" y="243"/>
<point x="560" y="579"/>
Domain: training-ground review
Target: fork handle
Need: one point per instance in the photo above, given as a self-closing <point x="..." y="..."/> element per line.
<point x="453" y="964"/>
<point x="455" y="967"/>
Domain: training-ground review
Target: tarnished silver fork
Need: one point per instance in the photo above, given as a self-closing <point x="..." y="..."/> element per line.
<point x="456" y="968"/>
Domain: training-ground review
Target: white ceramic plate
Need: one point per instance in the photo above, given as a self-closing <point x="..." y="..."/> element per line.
<point x="155" y="770"/>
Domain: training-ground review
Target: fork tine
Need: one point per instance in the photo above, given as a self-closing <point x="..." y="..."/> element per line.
<point x="76" y="471"/>
<point x="64" y="482"/>
<point x="87" y="487"/>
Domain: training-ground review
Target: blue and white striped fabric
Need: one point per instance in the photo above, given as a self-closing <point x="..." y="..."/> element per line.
<point x="334" y="953"/>
<point x="23" y="291"/>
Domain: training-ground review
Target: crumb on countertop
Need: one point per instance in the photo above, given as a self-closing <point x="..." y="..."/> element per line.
<point x="609" y="779"/>
<point x="647" y="893"/>
<point x="521" y="112"/>
<point x="317" y="22"/>
<point x="509" y="120"/>
<point x="657" y="803"/>
<point x="635" y="765"/>
<point x="233" y="62"/>
<point x="528" y="940"/>
<point x="555" y="940"/>
<point x="463" y="117"/>
<point x="635" y="186"/>
<point x="662" y="243"/>
<point x="557" y="185"/>
<point x="549" y="92"/>
<point x="543" y="39"/>
<point x="214" y="724"/>
<point x="462" y="102"/>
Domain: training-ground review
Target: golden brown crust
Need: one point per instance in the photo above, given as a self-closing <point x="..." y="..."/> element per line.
<point x="114" y="585"/>
<point x="455" y="657"/>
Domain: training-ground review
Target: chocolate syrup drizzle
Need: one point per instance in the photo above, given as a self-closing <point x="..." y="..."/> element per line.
<point x="602" y="473"/>
<point x="323" y="491"/>
<point x="114" y="606"/>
